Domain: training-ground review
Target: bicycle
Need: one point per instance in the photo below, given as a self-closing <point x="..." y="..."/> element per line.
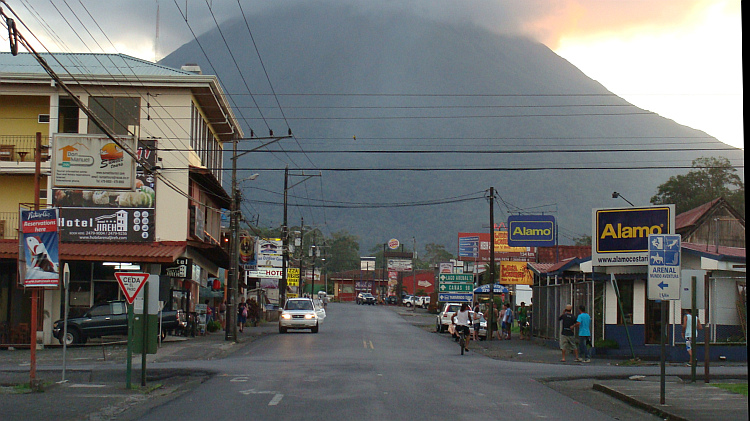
<point x="462" y="332"/>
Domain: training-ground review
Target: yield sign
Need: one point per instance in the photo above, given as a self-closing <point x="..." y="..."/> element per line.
<point x="131" y="284"/>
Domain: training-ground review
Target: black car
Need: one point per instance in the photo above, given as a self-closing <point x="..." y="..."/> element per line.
<point x="391" y="299"/>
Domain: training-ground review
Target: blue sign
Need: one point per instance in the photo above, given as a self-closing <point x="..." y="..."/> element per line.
<point x="456" y="297"/>
<point x="485" y="289"/>
<point x="468" y="247"/>
<point x="664" y="267"/>
<point x="531" y="231"/>
<point x="627" y="230"/>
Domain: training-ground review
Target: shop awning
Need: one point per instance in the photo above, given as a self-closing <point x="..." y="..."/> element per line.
<point x="156" y="252"/>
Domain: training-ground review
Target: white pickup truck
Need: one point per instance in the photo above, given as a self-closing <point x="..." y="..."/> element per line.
<point x="416" y="300"/>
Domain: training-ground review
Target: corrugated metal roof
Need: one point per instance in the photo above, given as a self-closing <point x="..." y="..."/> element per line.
<point x="90" y="64"/>
<point x="161" y="252"/>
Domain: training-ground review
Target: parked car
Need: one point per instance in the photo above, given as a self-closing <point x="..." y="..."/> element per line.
<point x="107" y="319"/>
<point x="408" y="300"/>
<point x="391" y="299"/>
<point x="300" y="313"/>
<point x="425" y="301"/>
<point x="482" y="326"/>
<point x="366" y="298"/>
<point x="444" y="317"/>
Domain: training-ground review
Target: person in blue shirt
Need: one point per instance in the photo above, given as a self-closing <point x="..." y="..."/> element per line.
<point x="583" y="322"/>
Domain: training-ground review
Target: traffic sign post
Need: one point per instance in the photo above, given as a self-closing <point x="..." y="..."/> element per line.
<point x="130" y="284"/>
<point x="456" y="287"/>
<point x="664" y="283"/>
<point x="456" y="277"/>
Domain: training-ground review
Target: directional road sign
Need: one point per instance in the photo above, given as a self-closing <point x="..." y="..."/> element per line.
<point x="456" y="277"/>
<point x="458" y="297"/>
<point x="456" y="287"/>
<point x="664" y="267"/>
<point x="131" y="284"/>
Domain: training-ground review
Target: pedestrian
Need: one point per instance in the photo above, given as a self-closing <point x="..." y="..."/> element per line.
<point x="241" y="315"/>
<point x="498" y="320"/>
<point x="583" y="323"/>
<point x="523" y="321"/>
<point x="688" y="324"/>
<point x="507" y="320"/>
<point x="222" y="312"/>
<point x="475" y="319"/>
<point x="567" y="338"/>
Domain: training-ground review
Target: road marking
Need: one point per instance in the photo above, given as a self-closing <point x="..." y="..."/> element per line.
<point x="276" y="399"/>
<point x="364" y="342"/>
<point x="238" y="379"/>
<point x="87" y="386"/>
<point x="371" y="346"/>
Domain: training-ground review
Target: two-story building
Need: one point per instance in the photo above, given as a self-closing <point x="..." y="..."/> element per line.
<point x="179" y="119"/>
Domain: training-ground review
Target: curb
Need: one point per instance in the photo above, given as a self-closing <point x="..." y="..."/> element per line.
<point x="638" y="404"/>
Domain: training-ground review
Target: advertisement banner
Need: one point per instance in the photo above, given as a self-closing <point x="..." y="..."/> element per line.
<point x="247" y="250"/>
<point x="92" y="161"/>
<point x="268" y="247"/>
<point x="531" y="230"/>
<point x="620" y="236"/>
<point x="399" y="265"/>
<point x="367" y="263"/>
<point x="106" y="225"/>
<point x="503" y="252"/>
<point x="515" y="273"/>
<point x="40" y="239"/>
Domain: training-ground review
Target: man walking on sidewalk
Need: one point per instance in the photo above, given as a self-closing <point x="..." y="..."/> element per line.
<point x="583" y="322"/>
<point x="567" y="338"/>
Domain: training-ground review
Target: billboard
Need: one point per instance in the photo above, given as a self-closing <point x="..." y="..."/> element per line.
<point x="93" y="161"/>
<point x="502" y="250"/>
<point x="40" y="244"/>
<point x="399" y="265"/>
<point x="106" y="225"/>
<point x="515" y="273"/>
<point x="531" y="230"/>
<point x="620" y="236"/>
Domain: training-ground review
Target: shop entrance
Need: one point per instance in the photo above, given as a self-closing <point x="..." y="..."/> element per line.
<point x="653" y="322"/>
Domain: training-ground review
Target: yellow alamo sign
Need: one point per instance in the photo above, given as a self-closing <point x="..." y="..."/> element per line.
<point x="515" y="273"/>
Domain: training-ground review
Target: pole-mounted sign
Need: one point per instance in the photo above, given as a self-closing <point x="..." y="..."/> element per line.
<point x="131" y="284"/>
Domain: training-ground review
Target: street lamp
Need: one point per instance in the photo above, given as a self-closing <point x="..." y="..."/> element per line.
<point x="615" y="195"/>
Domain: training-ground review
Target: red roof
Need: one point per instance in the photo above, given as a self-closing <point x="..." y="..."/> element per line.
<point x="722" y="250"/>
<point x="157" y="252"/>
<point x="549" y="254"/>
<point x="691" y="217"/>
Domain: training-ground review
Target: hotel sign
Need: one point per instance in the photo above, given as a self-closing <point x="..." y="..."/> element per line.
<point x="106" y="225"/>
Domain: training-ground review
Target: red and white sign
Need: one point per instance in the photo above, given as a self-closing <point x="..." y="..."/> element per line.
<point x="131" y="284"/>
<point x="271" y="273"/>
<point x="393" y="243"/>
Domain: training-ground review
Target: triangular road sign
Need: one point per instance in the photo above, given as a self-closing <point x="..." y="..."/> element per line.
<point x="131" y="284"/>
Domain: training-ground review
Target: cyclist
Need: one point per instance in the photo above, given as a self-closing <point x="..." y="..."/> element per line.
<point x="462" y="320"/>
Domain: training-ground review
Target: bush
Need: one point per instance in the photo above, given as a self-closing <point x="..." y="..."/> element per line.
<point x="213" y="326"/>
<point x="606" y="343"/>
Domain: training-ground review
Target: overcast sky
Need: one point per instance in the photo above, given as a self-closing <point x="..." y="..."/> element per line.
<point x="679" y="58"/>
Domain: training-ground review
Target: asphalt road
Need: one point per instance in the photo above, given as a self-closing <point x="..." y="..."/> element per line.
<point x="369" y="363"/>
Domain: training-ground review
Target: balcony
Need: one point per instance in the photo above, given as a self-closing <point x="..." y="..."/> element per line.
<point x="8" y="225"/>
<point x="20" y="148"/>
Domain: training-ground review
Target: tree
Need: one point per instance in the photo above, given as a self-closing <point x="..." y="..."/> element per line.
<point x="709" y="179"/>
<point x="583" y="240"/>
<point x="342" y="252"/>
<point x="436" y="253"/>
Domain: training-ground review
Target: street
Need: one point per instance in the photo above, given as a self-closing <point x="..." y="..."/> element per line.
<point x="366" y="362"/>
<point x="369" y="363"/>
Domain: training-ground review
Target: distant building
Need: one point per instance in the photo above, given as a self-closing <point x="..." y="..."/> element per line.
<point x="180" y="120"/>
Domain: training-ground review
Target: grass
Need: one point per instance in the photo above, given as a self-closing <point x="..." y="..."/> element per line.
<point x="740" y="388"/>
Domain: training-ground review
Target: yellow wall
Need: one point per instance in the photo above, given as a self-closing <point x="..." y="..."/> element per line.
<point x="15" y="189"/>
<point x="19" y="113"/>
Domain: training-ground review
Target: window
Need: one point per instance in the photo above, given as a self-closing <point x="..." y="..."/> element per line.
<point x="117" y="113"/>
<point x="100" y="310"/>
<point x="626" y="298"/>
<point x="118" y="308"/>
<point x="67" y="116"/>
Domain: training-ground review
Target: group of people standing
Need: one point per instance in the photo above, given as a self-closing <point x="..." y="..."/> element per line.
<point x="582" y="322"/>
<point x="505" y="318"/>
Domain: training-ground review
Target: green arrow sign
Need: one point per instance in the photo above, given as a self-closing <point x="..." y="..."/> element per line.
<point x="456" y="287"/>
<point x="456" y="277"/>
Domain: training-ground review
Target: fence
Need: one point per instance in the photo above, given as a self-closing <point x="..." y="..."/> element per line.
<point x="549" y="301"/>
<point x="8" y="225"/>
<point x="20" y="148"/>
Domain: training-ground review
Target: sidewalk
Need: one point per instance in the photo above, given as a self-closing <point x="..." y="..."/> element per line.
<point x="110" y="353"/>
<point x="684" y="400"/>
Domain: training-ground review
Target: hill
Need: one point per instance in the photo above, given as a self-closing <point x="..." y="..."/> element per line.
<point x="400" y="82"/>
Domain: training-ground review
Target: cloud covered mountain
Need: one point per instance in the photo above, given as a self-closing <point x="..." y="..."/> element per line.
<point x="398" y="81"/>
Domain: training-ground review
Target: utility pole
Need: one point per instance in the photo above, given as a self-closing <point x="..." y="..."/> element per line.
<point x="230" y="329"/>
<point x="492" y="322"/>
<point x="285" y="243"/>
<point x="301" y="257"/>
